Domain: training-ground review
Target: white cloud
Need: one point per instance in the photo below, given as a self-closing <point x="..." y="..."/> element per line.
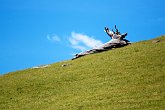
<point x="77" y="41"/>
<point x="79" y="47"/>
<point x="53" y="38"/>
<point x="82" y="42"/>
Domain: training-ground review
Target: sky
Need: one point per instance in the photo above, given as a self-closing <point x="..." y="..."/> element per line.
<point x="40" y="32"/>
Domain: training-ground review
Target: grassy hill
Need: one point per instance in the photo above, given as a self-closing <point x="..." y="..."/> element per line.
<point x="128" y="78"/>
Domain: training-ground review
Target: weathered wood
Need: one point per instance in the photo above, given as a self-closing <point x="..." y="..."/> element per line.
<point x="107" y="46"/>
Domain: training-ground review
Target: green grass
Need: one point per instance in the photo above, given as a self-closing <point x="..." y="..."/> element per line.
<point x="127" y="78"/>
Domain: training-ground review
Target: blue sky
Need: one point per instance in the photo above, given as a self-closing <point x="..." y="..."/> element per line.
<point x="38" y="32"/>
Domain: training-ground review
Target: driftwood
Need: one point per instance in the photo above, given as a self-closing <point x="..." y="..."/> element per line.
<point x="117" y="40"/>
<point x="115" y="43"/>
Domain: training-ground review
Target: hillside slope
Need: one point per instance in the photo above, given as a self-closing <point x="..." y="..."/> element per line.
<point x="128" y="78"/>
